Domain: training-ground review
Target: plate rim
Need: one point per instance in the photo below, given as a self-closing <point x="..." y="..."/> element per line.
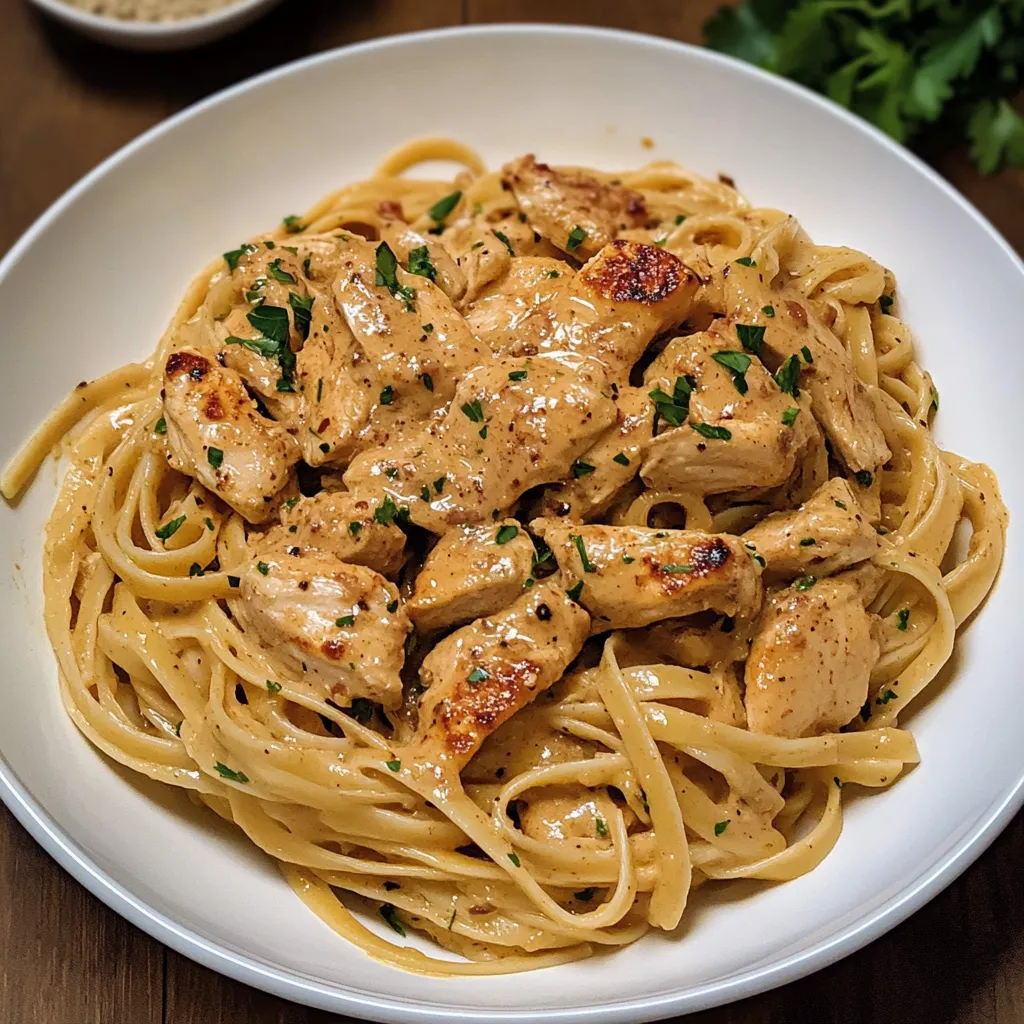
<point x="289" y="984"/>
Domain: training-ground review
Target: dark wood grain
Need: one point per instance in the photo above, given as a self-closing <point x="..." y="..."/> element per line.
<point x="67" y="959"/>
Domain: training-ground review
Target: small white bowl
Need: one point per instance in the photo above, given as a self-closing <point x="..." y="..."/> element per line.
<point x="150" y="36"/>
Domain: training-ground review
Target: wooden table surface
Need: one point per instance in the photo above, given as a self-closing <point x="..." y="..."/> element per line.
<point x="64" y="957"/>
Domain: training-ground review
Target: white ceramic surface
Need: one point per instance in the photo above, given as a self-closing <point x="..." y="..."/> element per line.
<point x="153" y="36"/>
<point x="94" y="281"/>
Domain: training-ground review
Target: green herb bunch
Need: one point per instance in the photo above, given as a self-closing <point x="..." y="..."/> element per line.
<point x="919" y="69"/>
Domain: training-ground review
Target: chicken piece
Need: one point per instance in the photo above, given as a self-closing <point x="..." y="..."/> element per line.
<point x="764" y="439"/>
<point x="603" y="470"/>
<point x="416" y="345"/>
<point x="632" y="575"/>
<point x="563" y="204"/>
<point x="827" y="533"/>
<point x="513" y="424"/>
<point x="340" y="524"/>
<point x="839" y="400"/>
<point x="432" y="259"/>
<point x="341" y="625"/>
<point x="485" y="672"/>
<point x="472" y="572"/>
<point x="811" y="660"/>
<point x="216" y="434"/>
<point x="338" y="388"/>
<point x="610" y="310"/>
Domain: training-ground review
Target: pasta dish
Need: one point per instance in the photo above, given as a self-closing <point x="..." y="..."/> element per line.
<point x="507" y="556"/>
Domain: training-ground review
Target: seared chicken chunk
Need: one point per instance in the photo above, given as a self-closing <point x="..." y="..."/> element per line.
<point x="610" y="310"/>
<point x="603" y="470"/>
<point x="339" y="625"/>
<point x="513" y="424"/>
<point x="827" y="533"/>
<point x="472" y="572"/>
<point x="340" y="524"/>
<point x="631" y="576"/>
<point x="485" y="672"/>
<point x="574" y="211"/>
<point x="216" y="434"/>
<point x="811" y="660"/>
<point x="735" y="439"/>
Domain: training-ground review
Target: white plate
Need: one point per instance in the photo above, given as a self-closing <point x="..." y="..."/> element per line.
<point x="94" y="281"/>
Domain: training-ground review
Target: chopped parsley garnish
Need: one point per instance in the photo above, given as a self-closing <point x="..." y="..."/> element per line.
<point x="902" y="618"/>
<point x="390" y="915"/>
<point x="263" y="568"/>
<point x="621" y="459"/>
<point x="788" y="376"/>
<point x="160" y="427"/>
<point x="677" y="568"/>
<point x="478" y="675"/>
<point x="171" y="528"/>
<point x="392" y="607"/>
<point x="517" y="375"/>
<point x="215" y="457"/>
<point x="427" y="381"/>
<point x="232" y="258"/>
<point x="387" y="512"/>
<point x="746" y="261"/>
<point x="751" y="337"/>
<point x="712" y="432"/>
<point x="425" y="494"/>
<point x="864" y="477"/>
<point x="483" y="432"/>
<point x="588" y="565"/>
<point x="387" y="395"/>
<point x="274" y="268"/>
<point x="738" y="363"/>
<point x="438" y="484"/>
<point x="394" y="764"/>
<point x="440" y="210"/>
<point x="273" y="687"/>
<point x="628" y="559"/>
<point x="789" y="416"/>
<point x="270" y="321"/>
<point x="473" y="411"/>
<point x="344" y="620"/>
<point x="229" y="773"/>
<point x="768" y="310"/>
<point x="885" y="302"/>
<point x="672" y="408"/>
<point x="806" y="353"/>
<point x="427" y="328"/>
<point x="515" y="860"/>
<point x="576" y="238"/>
<point x="420" y="263"/>
<point x="804" y="583"/>
<point x="325" y="447"/>
<point x="292" y="224"/>
<point x="387" y="276"/>
<point x="302" y="310"/>
<point x="581" y="468"/>
<point x="234" y="581"/>
<point x="551" y="274"/>
<point x="195" y="569"/>
<point x="209" y="524"/>
<point x="355" y="528"/>
<point x="585" y="895"/>
<point x="575" y="590"/>
<point x="602" y="828"/>
<point x="503" y="238"/>
<point x="840" y="504"/>
<point x="506" y="533"/>
<point x="887" y="695"/>
<point x="720" y="827"/>
<point x="680" y="217"/>
<point x="807" y="542"/>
